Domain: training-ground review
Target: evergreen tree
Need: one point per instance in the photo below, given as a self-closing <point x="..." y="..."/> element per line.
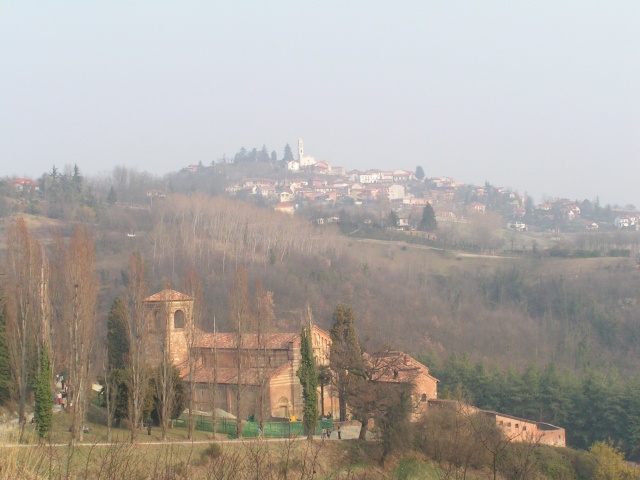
<point x="118" y="343"/>
<point x="112" y="197"/>
<point x="345" y="355"/>
<point x="428" y="223"/>
<point x="274" y="157"/>
<point x="77" y="180"/>
<point x="263" y="156"/>
<point x="309" y="379"/>
<point x="288" y="154"/>
<point x="5" y="366"/>
<point x="118" y="349"/>
<point x="43" y="396"/>
<point x="392" y="219"/>
<point x="419" y="172"/>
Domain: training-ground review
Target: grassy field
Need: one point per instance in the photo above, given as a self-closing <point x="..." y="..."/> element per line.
<point x="150" y="458"/>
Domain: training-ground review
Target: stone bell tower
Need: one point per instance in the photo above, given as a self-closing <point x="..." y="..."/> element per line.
<point x="300" y="150"/>
<point x="169" y="320"/>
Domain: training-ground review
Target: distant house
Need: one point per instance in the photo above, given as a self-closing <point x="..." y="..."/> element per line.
<point x="285" y="196"/>
<point x="156" y="193"/>
<point x="24" y="185"/>
<point x="367" y="177"/>
<point x="626" y="221"/>
<point x="340" y="171"/>
<point x="267" y="191"/>
<point x="591" y="225"/>
<point x="402" y="176"/>
<point x="322" y="167"/>
<point x="477" y="207"/>
<point x="517" y="226"/>
<point x="395" y="192"/>
<point x="418" y="201"/>
<point x="293" y="166"/>
<point x="285" y="207"/>
<point x="191" y="169"/>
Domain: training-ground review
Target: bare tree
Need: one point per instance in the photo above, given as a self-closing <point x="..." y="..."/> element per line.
<point x="239" y="318"/>
<point x="138" y="375"/>
<point x="446" y="435"/>
<point x="81" y="289"/>
<point x="193" y="331"/>
<point x="213" y="384"/>
<point x="264" y="323"/>
<point x="164" y="376"/>
<point x="26" y="306"/>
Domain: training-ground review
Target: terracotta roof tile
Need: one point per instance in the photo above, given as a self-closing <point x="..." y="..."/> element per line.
<point x="167" y="296"/>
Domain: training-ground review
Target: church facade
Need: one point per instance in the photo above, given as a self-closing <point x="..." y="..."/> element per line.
<point x="262" y="367"/>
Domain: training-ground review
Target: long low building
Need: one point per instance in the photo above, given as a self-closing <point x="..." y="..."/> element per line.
<point x="514" y="428"/>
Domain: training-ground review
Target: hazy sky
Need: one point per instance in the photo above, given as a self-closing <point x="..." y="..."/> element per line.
<point x="543" y="97"/>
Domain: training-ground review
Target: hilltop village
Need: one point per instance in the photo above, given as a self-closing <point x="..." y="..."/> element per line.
<point x="303" y="184"/>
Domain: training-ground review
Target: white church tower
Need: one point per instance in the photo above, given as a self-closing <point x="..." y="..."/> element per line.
<point x="304" y="161"/>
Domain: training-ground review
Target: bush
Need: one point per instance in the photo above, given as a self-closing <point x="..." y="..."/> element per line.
<point x="213" y="451"/>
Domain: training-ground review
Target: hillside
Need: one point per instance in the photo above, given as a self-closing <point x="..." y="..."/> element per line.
<point x="517" y="319"/>
<point x="505" y="310"/>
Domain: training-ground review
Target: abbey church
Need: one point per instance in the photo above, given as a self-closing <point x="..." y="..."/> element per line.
<point x="262" y="366"/>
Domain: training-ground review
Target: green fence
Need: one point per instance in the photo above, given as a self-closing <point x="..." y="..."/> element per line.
<point x="250" y="429"/>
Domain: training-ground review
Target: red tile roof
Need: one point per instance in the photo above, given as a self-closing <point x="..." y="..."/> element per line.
<point x="395" y="367"/>
<point x="167" y="296"/>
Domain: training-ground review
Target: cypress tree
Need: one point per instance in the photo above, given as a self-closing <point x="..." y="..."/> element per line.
<point x="118" y="343"/>
<point x="309" y="379"/>
<point x="345" y="355"/>
<point x="43" y="396"/>
<point x="5" y="367"/>
<point x="118" y="349"/>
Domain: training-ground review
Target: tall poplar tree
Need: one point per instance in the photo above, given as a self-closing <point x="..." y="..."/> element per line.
<point x="81" y="297"/>
<point x="239" y="320"/>
<point x="138" y="323"/>
<point x="309" y="379"/>
<point x="24" y="262"/>
<point x="193" y="288"/>
<point x="345" y="355"/>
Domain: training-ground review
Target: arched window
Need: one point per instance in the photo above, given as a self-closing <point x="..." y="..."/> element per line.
<point x="178" y="319"/>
